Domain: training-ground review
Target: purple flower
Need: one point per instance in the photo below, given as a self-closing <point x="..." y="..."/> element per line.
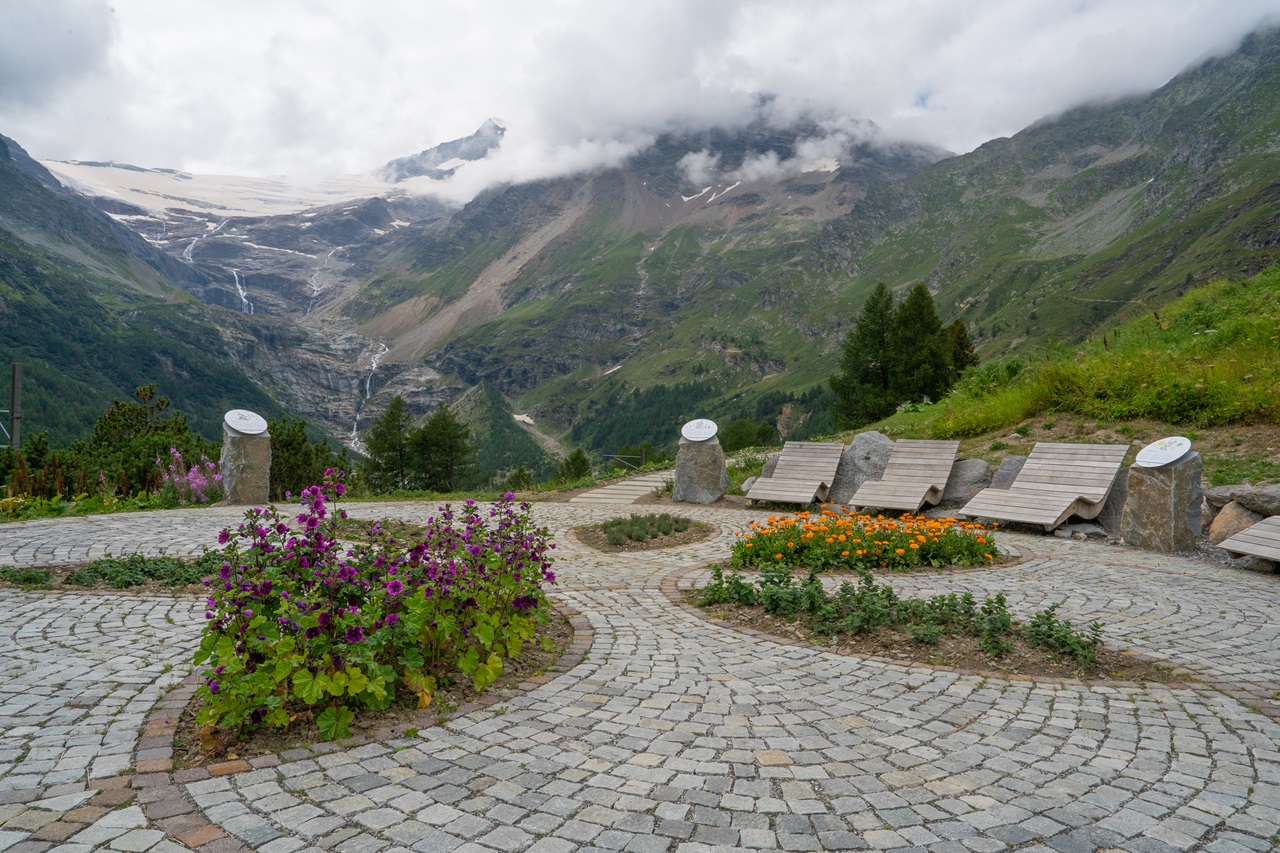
<point x="355" y="634"/>
<point x="395" y="587"/>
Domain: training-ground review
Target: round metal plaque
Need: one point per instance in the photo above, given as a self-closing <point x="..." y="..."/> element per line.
<point x="1162" y="452"/>
<point x="699" y="430"/>
<point x="245" y="421"/>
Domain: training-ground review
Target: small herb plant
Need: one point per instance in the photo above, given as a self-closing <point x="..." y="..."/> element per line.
<point x="640" y="528"/>
<point x="868" y="606"/>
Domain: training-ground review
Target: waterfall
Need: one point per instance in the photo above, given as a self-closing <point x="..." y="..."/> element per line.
<point x="245" y="305"/>
<point x="368" y="391"/>
<point x="187" y="252"/>
<point x="314" y="281"/>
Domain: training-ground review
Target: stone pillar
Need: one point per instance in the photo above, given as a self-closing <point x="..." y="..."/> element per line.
<point x="1162" y="511"/>
<point x="246" y="467"/>
<point x="701" y="475"/>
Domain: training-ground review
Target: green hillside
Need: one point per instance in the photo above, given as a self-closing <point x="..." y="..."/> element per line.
<point x="1108" y="211"/>
<point x="90" y="317"/>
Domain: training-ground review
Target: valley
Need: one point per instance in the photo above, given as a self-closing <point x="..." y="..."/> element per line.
<point x="729" y="261"/>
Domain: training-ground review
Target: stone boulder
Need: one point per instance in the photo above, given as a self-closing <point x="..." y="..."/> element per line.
<point x="1162" y="511"/>
<point x="246" y="467"/>
<point x="770" y="465"/>
<point x="701" y="474"/>
<point x="1008" y="471"/>
<point x="968" y="477"/>
<point x="748" y="483"/>
<point x="1113" y="507"/>
<point x="1230" y="520"/>
<point x="1264" y="500"/>
<point x="865" y="459"/>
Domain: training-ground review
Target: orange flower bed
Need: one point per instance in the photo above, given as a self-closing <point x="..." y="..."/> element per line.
<point x="841" y="539"/>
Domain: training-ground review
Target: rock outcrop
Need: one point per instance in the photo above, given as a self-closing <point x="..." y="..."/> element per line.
<point x="864" y="459"/>
<point x="968" y="477"/>
<point x="1230" y="520"/>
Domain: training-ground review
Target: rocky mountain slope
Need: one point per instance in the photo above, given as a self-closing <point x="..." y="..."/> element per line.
<point x="732" y="261"/>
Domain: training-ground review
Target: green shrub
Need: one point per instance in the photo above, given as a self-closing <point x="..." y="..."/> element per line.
<point x="299" y="621"/>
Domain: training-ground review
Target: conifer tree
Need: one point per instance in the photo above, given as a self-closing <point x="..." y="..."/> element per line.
<point x="387" y="441"/>
<point x="862" y="386"/>
<point x="919" y="364"/>
<point x="443" y="453"/>
<point x="960" y="347"/>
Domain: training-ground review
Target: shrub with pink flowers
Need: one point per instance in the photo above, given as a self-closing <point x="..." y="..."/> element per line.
<point x="182" y="483"/>
<point x="299" y="622"/>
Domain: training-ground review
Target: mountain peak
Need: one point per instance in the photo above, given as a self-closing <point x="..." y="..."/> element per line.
<point x="439" y="162"/>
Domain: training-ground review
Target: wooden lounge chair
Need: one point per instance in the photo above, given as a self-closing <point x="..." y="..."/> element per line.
<point x="1057" y="482"/>
<point x="803" y="474"/>
<point x="916" y="474"/>
<point x="1260" y="540"/>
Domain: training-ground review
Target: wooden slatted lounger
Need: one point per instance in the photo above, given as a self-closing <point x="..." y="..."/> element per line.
<point x="1057" y="482"/>
<point x="1260" y="540"/>
<point x="916" y="474"/>
<point x="803" y="474"/>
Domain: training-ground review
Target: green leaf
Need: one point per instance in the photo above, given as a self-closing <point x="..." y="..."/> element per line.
<point x="469" y="661"/>
<point x="338" y="684"/>
<point x="335" y="722"/>
<point x="306" y="688"/>
<point x="357" y="681"/>
<point x="279" y="718"/>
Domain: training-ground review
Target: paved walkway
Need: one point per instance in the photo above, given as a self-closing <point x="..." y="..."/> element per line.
<point x="672" y="734"/>
<point x="626" y="491"/>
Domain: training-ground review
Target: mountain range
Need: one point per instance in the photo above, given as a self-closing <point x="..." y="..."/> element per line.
<point x="727" y="262"/>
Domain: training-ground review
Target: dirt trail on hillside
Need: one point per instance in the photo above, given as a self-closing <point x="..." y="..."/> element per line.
<point x="483" y="299"/>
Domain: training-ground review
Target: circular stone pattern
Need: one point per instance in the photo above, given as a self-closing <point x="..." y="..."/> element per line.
<point x="674" y="735"/>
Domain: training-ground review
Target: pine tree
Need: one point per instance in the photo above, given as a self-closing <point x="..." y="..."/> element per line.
<point x="443" y="453"/>
<point x="573" y="467"/>
<point x="387" y="441"/>
<point x="862" y="388"/>
<point x="960" y="349"/>
<point x="919" y="365"/>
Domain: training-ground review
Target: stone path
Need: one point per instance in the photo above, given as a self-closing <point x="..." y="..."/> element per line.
<point x="672" y="734"/>
<point x="625" y="492"/>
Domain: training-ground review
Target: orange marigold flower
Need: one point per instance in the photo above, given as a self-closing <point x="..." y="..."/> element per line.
<point x="844" y="553"/>
<point x="899" y="551"/>
<point x="915" y="546"/>
<point x="777" y="556"/>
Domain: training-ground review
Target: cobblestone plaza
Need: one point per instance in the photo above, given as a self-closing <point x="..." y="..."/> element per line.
<point x="672" y="733"/>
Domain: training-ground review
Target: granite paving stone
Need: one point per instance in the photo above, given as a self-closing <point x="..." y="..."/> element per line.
<point x="673" y="733"/>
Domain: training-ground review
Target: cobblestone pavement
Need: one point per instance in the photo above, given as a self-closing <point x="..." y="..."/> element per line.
<point x="673" y="733"/>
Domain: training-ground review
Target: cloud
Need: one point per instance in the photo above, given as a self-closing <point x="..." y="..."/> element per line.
<point x="48" y="44"/>
<point x="296" y="86"/>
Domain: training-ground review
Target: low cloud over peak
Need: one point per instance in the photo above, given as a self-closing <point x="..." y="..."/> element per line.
<point x="294" y="87"/>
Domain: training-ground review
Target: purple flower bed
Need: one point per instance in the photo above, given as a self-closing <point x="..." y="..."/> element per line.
<point x="296" y="620"/>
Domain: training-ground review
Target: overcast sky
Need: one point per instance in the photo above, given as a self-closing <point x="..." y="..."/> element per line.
<point x="265" y="87"/>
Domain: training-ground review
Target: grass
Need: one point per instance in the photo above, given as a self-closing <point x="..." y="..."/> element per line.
<point x="1209" y="359"/>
